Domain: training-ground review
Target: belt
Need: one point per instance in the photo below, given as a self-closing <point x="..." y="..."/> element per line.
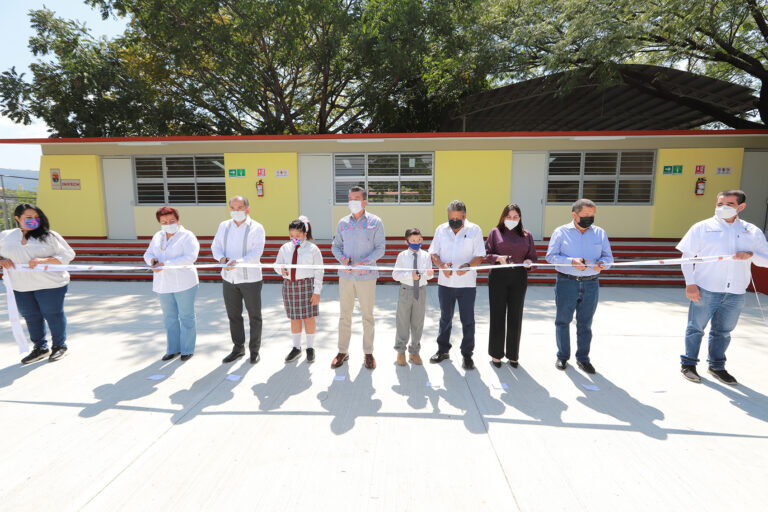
<point x="578" y="278"/>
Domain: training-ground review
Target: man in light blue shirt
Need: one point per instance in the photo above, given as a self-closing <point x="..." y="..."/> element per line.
<point x="580" y="251"/>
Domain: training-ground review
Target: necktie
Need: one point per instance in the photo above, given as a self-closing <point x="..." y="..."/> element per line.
<point x="293" y="262"/>
<point x="416" y="284"/>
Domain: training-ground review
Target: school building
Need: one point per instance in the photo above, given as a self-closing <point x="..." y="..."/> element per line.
<point x="647" y="184"/>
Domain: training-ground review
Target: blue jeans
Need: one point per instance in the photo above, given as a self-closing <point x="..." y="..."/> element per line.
<point x="40" y="306"/>
<point x="466" y="299"/>
<point x="179" y="319"/>
<point x="581" y="297"/>
<point x="724" y="310"/>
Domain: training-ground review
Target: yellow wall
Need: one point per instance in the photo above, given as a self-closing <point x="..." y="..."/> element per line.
<point x="201" y="220"/>
<point x="396" y="218"/>
<point x="481" y="179"/>
<point x="280" y="204"/>
<point x="617" y="221"/>
<point x="73" y="212"/>
<point x="676" y="207"/>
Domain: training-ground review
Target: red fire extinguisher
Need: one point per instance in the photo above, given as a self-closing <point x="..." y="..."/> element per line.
<point x="700" y="183"/>
<point x="260" y="188"/>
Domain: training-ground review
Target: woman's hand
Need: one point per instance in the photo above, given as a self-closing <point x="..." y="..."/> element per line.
<point x="156" y="266"/>
<point x="37" y="261"/>
<point x="527" y="263"/>
<point x="501" y="260"/>
<point x="284" y="271"/>
<point x="6" y="263"/>
<point x="315" y="300"/>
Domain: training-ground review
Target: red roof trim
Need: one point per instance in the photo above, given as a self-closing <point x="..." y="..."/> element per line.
<point x="365" y="136"/>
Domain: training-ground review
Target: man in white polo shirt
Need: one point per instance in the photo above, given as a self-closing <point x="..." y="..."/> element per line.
<point x="456" y="247"/>
<point x="717" y="289"/>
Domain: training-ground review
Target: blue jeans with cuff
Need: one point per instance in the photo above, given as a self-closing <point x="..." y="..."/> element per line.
<point x="179" y="319"/>
<point x="723" y="310"/>
<point x="41" y="306"/>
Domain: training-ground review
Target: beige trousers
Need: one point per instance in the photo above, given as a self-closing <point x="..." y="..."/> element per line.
<point x="365" y="291"/>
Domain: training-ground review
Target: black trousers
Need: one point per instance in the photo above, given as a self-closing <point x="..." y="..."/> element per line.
<point x="234" y="296"/>
<point x="506" y="297"/>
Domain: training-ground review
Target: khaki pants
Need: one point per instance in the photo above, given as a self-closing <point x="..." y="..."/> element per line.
<point x="365" y="291"/>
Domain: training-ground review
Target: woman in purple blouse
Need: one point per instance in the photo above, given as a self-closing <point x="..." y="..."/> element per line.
<point x="508" y="242"/>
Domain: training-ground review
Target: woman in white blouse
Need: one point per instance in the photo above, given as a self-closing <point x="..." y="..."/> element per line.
<point x="301" y="286"/>
<point x="39" y="295"/>
<point x="176" y="288"/>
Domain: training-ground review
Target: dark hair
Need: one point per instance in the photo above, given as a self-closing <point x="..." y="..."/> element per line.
<point x="39" y="233"/>
<point x="412" y="231"/>
<point x="741" y="197"/>
<point x="359" y="189"/>
<point x="519" y="228"/>
<point x="299" y="224"/>
<point x="166" y="210"/>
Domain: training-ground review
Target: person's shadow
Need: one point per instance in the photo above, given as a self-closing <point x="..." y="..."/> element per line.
<point x="130" y="387"/>
<point x="529" y="397"/>
<point x="412" y="383"/>
<point x="745" y="398"/>
<point x="292" y="379"/>
<point x="614" y="401"/>
<point x="9" y="374"/>
<point x="347" y="400"/>
<point x="471" y="395"/>
<point x="212" y="389"/>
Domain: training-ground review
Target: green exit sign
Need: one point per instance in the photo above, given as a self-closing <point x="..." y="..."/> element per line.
<point x="673" y="169"/>
<point x="237" y="173"/>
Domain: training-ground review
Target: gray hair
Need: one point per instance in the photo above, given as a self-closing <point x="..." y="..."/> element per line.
<point x="359" y="189"/>
<point x="581" y="203"/>
<point x="457" y="206"/>
<point x="240" y="198"/>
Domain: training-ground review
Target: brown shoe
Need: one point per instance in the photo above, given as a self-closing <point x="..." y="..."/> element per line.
<point x="401" y="359"/>
<point x="339" y="360"/>
<point x="370" y="362"/>
<point x="415" y="359"/>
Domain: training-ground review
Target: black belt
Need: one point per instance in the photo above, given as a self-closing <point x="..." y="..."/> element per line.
<point x="578" y="278"/>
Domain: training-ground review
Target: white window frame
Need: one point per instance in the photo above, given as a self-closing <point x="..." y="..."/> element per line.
<point x="581" y="178"/>
<point x="399" y="179"/>
<point x="165" y="180"/>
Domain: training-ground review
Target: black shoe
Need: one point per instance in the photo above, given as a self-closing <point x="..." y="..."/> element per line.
<point x="587" y="367"/>
<point x="168" y="357"/>
<point x="497" y="364"/>
<point x="439" y="357"/>
<point x="690" y="373"/>
<point x="723" y="376"/>
<point x="255" y="357"/>
<point x="293" y="355"/>
<point x="468" y="363"/>
<point x="186" y="357"/>
<point x="513" y="364"/>
<point x="36" y="355"/>
<point x="561" y="364"/>
<point x="235" y="354"/>
<point x="57" y="353"/>
<point x="310" y="355"/>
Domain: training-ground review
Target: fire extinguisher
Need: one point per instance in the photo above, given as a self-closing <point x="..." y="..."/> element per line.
<point x="700" y="183"/>
<point x="260" y="188"/>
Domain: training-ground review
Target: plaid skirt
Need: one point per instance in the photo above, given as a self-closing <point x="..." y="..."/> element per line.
<point x="297" y="296"/>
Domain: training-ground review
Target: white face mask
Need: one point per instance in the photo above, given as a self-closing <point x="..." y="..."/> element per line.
<point x="169" y="228"/>
<point x="238" y="216"/>
<point x="725" y="212"/>
<point x="511" y="224"/>
<point x="355" y="207"/>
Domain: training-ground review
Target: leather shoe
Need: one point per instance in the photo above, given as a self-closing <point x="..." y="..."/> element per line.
<point x="415" y="359"/>
<point x="587" y="367"/>
<point x="186" y="357"/>
<point x="35" y="355"/>
<point x="57" y="353"/>
<point x="513" y="364"/>
<point x="168" y="357"/>
<point x="235" y="354"/>
<point x="339" y="360"/>
<point x="497" y="364"/>
<point x="561" y="364"/>
<point x="468" y="363"/>
<point x="439" y="357"/>
<point x="370" y="362"/>
<point x="401" y="359"/>
<point x="255" y="357"/>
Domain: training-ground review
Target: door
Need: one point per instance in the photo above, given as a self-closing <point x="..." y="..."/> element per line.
<point x="754" y="181"/>
<point x="529" y="182"/>
<point x="117" y="176"/>
<point x="316" y="193"/>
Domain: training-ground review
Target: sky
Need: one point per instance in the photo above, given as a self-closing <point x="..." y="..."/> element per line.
<point x="15" y="32"/>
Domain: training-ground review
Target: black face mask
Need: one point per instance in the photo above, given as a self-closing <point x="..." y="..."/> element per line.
<point x="455" y="223"/>
<point x="585" y="222"/>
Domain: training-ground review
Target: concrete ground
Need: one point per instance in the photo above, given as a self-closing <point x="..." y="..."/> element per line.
<point x="95" y="432"/>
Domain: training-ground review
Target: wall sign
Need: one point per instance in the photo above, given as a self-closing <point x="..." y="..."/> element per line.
<point x="281" y="173"/>
<point x="673" y="169"/>
<point x="261" y="172"/>
<point x="70" y="184"/>
<point x="237" y="173"/>
<point x="700" y="169"/>
<point x="56" y="179"/>
<point x="724" y="170"/>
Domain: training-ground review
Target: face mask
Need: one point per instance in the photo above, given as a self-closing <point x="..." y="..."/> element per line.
<point x="585" y="222"/>
<point x="238" y="216"/>
<point x="414" y="247"/>
<point x="725" y="212"/>
<point x="169" y="228"/>
<point x="296" y="241"/>
<point x="455" y="223"/>
<point x="31" y="223"/>
<point x="355" y="207"/>
<point x="511" y="224"/>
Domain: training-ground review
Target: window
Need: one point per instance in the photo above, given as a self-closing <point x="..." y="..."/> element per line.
<point x="605" y="177"/>
<point x="390" y="178"/>
<point x="180" y="179"/>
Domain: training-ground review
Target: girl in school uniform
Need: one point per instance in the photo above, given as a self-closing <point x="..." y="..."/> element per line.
<point x="301" y="287"/>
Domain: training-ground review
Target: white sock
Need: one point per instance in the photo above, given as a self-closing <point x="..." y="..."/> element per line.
<point x="296" y="339"/>
<point x="310" y="340"/>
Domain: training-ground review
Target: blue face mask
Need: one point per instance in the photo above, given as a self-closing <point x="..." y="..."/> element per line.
<point x="414" y="247"/>
<point x="31" y="223"/>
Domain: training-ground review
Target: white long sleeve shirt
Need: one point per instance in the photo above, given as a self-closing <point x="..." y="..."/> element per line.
<point x="405" y="260"/>
<point x="715" y="237"/>
<point x="181" y="249"/>
<point x="309" y="254"/>
<point x="54" y="246"/>
<point x="244" y="244"/>
<point x="458" y="249"/>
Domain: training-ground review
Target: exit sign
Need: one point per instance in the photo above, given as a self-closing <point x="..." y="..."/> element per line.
<point x="237" y="173"/>
<point x="673" y="169"/>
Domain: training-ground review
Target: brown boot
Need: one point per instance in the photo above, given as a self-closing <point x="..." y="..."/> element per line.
<point x="401" y="359"/>
<point x="370" y="362"/>
<point x="415" y="359"/>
